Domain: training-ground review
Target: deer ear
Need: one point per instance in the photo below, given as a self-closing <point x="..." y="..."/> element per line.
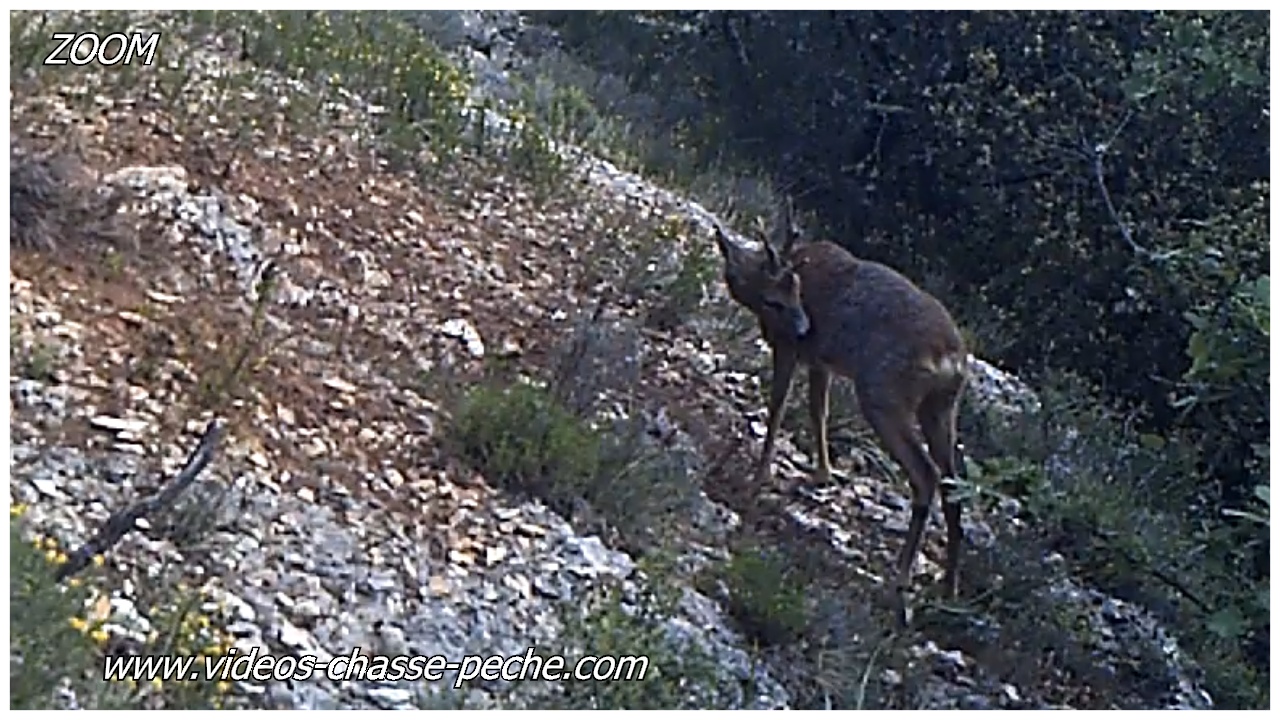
<point x="775" y="262"/>
<point x="786" y="231"/>
<point x="727" y="247"/>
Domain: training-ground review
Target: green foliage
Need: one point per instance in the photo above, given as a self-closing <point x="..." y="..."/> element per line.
<point x="1123" y="508"/>
<point x="388" y="61"/>
<point x="1224" y="393"/>
<point x="59" y="634"/>
<point x="517" y="435"/>
<point x="1195" y="57"/>
<point x="698" y="268"/>
<point x="765" y="598"/>
<point x="37" y="361"/>
<point x="521" y="436"/>
<point x="679" y="673"/>
<point x="534" y="155"/>
<point x="678" y="295"/>
<point x="48" y="640"/>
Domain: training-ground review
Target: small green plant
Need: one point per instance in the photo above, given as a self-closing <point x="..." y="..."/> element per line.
<point x="185" y="626"/>
<point x="518" y="436"/>
<point x="677" y="674"/>
<point x="533" y="154"/>
<point x="999" y="478"/>
<point x="37" y="361"/>
<point x="683" y="294"/>
<point x="764" y="598"/>
<point x="50" y="644"/>
<point x="59" y="634"/>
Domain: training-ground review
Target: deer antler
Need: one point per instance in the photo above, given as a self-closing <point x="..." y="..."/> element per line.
<point x="783" y="231"/>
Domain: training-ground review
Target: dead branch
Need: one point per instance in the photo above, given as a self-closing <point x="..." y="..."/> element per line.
<point x="1095" y="154"/>
<point x="120" y="523"/>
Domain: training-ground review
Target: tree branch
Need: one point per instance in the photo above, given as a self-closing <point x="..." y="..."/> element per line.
<point x="1096" y="154"/>
<point x="120" y="523"/>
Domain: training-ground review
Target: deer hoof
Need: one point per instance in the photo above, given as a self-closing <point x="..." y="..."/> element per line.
<point x="901" y="611"/>
<point x="951" y="586"/>
<point x="895" y="596"/>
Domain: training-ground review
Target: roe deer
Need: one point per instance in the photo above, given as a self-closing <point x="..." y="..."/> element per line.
<point x="821" y="306"/>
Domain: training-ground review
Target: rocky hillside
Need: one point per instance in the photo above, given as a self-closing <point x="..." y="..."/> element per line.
<point x="219" y="238"/>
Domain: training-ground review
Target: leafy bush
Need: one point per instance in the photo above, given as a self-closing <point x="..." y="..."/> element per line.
<point x="61" y="631"/>
<point x="49" y="645"/>
<point x="679" y="675"/>
<point x="1124" y="508"/>
<point x="519" y="435"/>
<point x="414" y="81"/>
<point x="764" y="596"/>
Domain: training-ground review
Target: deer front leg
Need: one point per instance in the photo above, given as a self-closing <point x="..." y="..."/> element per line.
<point x="784" y="366"/>
<point x="819" y="394"/>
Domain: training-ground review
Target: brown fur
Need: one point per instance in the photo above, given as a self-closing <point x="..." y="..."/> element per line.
<point x="820" y="306"/>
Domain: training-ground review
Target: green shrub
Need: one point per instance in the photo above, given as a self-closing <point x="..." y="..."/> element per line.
<point x="682" y="295"/>
<point x="389" y="62"/>
<point x="520" y="436"/>
<point x="765" y="598"/>
<point x="1125" y="509"/>
<point x="679" y="674"/>
<point x="49" y="636"/>
<point x="58" y="635"/>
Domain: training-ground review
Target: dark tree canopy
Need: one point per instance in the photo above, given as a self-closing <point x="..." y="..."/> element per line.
<point x="1053" y="167"/>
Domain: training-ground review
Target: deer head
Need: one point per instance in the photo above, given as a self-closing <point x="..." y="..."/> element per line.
<point x="764" y="282"/>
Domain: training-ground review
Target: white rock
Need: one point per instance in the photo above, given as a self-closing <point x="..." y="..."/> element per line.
<point x="115" y="424"/>
<point x="46" y="487"/>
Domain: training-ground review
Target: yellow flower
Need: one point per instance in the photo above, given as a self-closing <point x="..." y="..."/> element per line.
<point x="99" y="636"/>
<point x="78" y="623"/>
<point x="99" y="560"/>
<point x="17" y="509"/>
<point x="223" y="687"/>
<point x="75" y="582"/>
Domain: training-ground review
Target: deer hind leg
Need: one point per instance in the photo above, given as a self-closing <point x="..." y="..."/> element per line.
<point x="937" y="417"/>
<point x="819" y="395"/>
<point x="894" y="423"/>
<point x="784" y="366"/>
